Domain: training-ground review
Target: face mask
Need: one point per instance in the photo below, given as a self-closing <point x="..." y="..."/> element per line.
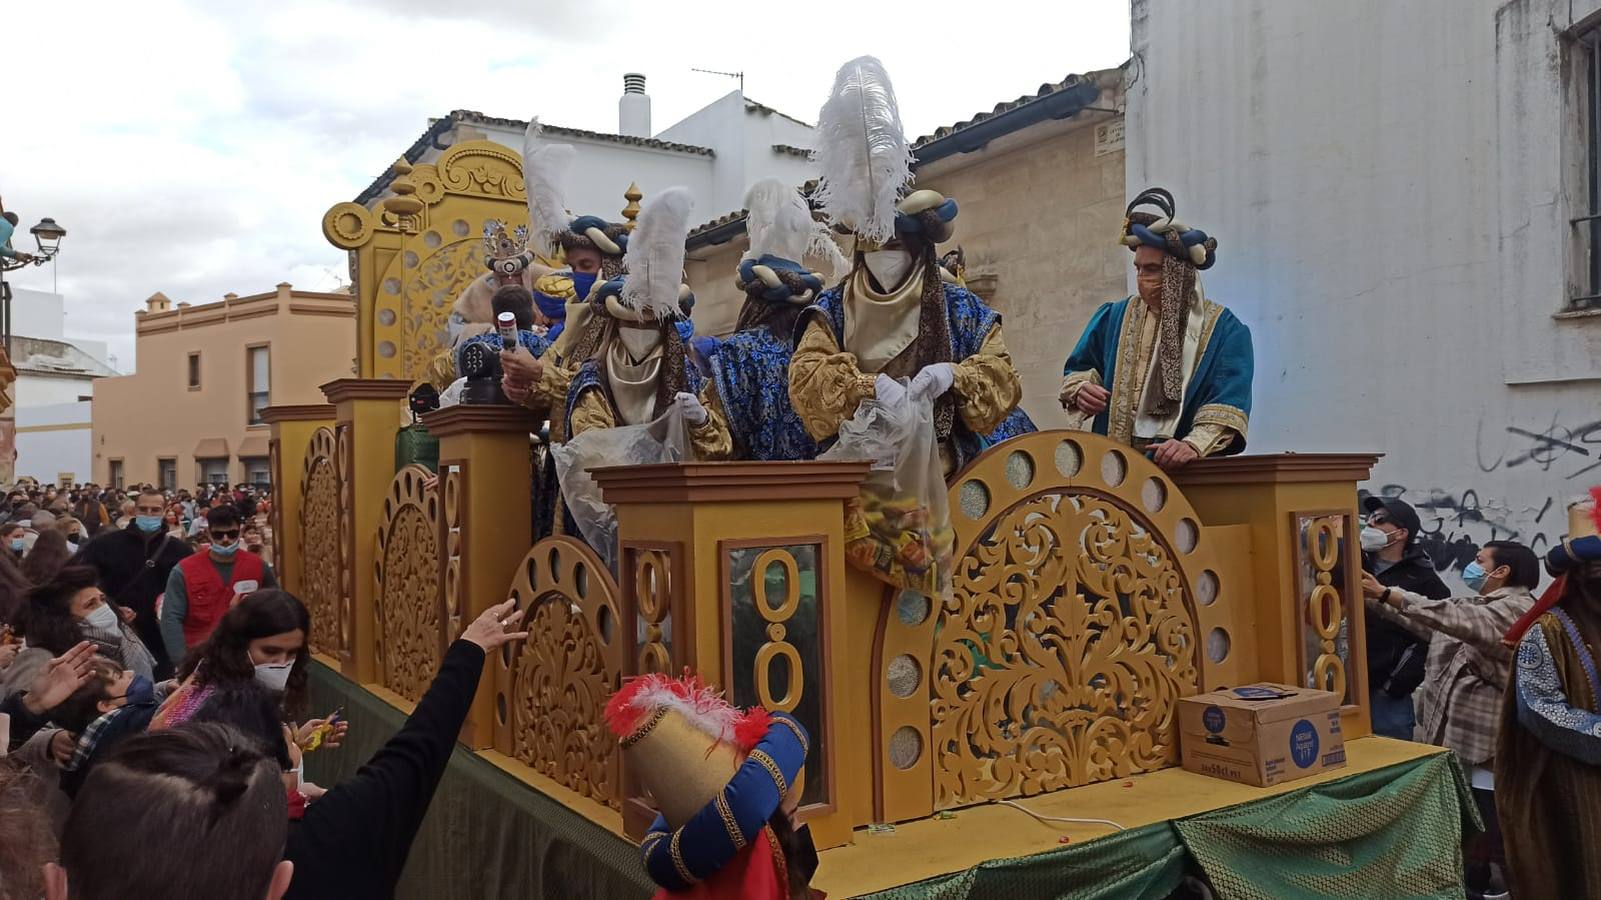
<point x="274" y="676"/>
<point x="141" y="690"/>
<point x="1474" y="576"/>
<point x="147" y="524"/>
<point x="888" y="267"/>
<point x="582" y="282"/>
<point x="640" y="341"/>
<point x="102" y="618"/>
<point x="1374" y="540"/>
<point x="225" y="552"/>
<point x="19" y="544"/>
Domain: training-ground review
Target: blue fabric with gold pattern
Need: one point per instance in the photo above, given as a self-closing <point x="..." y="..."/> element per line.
<point x="729" y="823"/>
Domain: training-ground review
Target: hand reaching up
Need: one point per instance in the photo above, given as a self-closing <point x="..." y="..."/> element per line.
<point x="59" y="678"/>
<point x="489" y="629"/>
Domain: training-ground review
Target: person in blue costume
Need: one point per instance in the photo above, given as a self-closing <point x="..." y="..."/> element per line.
<point x="894" y="317"/>
<point x="1166" y="371"/>
<point x="747" y="384"/>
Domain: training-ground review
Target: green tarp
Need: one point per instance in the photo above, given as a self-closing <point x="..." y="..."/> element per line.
<point x="1392" y="832"/>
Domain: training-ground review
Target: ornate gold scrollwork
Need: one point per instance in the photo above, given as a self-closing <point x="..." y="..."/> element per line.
<point x="344" y="468"/>
<point x="320" y="541"/>
<point x="409" y="641"/>
<point x="776" y="616"/>
<point x="1323" y="603"/>
<point x="653" y="590"/>
<point x="451" y="487"/>
<point x="1062" y="652"/>
<point x="559" y="680"/>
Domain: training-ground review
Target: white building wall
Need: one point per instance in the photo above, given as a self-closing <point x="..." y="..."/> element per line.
<point x="48" y="390"/>
<point x="40" y="314"/>
<point x="53" y="439"/>
<point x="1385" y="181"/>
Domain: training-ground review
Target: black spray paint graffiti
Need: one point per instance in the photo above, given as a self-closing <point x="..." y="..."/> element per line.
<point x="1454" y="524"/>
<point x="1453" y="527"/>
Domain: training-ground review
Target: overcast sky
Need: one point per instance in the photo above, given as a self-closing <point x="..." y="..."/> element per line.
<point x="192" y="147"/>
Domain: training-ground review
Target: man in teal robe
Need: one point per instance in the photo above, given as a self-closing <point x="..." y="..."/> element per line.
<point x="1166" y="371"/>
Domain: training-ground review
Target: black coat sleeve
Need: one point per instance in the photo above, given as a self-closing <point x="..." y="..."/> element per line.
<point x="354" y="841"/>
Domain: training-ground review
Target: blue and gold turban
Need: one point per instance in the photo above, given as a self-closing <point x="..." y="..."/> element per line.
<point x="1165" y="233"/>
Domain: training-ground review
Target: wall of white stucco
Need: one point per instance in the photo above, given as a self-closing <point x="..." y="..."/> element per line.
<point x="1388" y="186"/>
<point x="63" y="444"/>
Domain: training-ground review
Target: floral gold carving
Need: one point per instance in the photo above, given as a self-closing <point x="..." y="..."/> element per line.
<point x="320" y="541"/>
<point x="1062" y="652"/>
<point x="344" y="469"/>
<point x="409" y="640"/>
<point x="561" y="677"/>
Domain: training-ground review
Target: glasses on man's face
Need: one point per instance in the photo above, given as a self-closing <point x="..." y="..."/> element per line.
<point x="232" y="535"/>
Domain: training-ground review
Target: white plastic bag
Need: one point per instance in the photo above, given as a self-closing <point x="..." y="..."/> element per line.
<point x="664" y="439"/>
<point x="899" y="527"/>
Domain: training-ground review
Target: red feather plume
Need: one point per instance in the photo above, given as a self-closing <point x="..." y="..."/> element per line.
<point x="751" y="728"/>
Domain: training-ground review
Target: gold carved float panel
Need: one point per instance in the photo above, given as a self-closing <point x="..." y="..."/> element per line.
<point x="320" y="540"/>
<point x="1327" y="597"/>
<point x="410" y="636"/>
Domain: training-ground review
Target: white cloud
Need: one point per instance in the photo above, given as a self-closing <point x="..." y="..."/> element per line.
<point x="192" y="147"/>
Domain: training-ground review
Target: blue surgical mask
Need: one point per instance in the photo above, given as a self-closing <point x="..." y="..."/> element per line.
<point x="148" y="524"/>
<point x="141" y="690"/>
<point x="19" y="544"/>
<point x="582" y="283"/>
<point x="225" y="552"/>
<point x="1474" y="576"/>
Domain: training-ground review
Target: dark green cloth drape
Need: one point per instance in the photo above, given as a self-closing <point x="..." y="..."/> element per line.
<point x="487" y="835"/>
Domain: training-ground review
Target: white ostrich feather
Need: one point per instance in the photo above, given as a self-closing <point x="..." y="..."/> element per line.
<point x="863" y="157"/>
<point x="779" y="222"/>
<point x="545" y="167"/>
<point x="655" y="257"/>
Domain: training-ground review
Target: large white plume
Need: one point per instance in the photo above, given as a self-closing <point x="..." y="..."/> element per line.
<point x="545" y="167"/>
<point x="779" y="222"/>
<point x="863" y="158"/>
<point x="655" y="256"/>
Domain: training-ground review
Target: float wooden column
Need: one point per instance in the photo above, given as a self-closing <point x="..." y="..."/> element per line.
<point x="683" y="529"/>
<point x="1271" y="494"/>
<point x="292" y="427"/>
<point x="486" y="479"/>
<point x="367" y="414"/>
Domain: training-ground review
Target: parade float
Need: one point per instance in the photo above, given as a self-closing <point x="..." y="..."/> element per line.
<point x="1092" y="591"/>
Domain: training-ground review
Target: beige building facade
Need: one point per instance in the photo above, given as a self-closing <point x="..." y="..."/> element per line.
<point x="1040" y="188"/>
<point x="190" y="414"/>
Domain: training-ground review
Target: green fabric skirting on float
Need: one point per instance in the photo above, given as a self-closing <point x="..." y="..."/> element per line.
<point x="1392" y="832"/>
<point x="486" y="833"/>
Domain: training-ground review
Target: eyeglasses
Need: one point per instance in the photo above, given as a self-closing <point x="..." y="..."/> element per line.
<point x="225" y="535"/>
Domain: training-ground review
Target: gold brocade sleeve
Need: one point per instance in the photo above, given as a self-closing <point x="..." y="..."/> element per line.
<point x="440" y="371"/>
<point x="825" y="384"/>
<point x="550" y="391"/>
<point x="1210" y="439"/>
<point x="987" y="387"/>
<point x="712" y="439"/>
<point x="589" y="413"/>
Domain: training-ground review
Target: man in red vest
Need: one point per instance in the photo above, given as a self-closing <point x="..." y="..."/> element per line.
<point x="203" y="586"/>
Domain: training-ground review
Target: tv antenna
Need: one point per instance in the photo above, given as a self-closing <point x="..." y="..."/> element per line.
<point x="739" y="75"/>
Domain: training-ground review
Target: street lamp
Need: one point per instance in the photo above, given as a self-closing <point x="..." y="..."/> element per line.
<point x="47" y="234"/>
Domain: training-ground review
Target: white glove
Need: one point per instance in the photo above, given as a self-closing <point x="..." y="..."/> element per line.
<point x="889" y="391"/>
<point x="933" y="381"/>
<point x="690" y="405"/>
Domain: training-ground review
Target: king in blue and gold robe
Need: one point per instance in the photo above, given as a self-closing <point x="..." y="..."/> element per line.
<point x="1118" y="351"/>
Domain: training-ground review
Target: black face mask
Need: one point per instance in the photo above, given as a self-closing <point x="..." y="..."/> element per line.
<point x="803" y="853"/>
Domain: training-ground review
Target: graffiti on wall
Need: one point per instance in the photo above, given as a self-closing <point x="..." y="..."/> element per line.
<point x="1455" y="522"/>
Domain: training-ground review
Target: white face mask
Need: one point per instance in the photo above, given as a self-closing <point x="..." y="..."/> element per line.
<point x="889" y="267"/>
<point x="102" y="618"/>
<point x="1374" y="540"/>
<point x="640" y="341"/>
<point x="274" y="676"/>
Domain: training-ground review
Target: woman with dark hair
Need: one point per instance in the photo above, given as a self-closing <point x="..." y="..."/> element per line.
<point x="261" y="641"/>
<point x="13" y="540"/>
<point x="50" y="552"/>
<point x="65" y="610"/>
<point x="13" y="592"/>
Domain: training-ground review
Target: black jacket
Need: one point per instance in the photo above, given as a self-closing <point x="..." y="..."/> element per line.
<point x="1395" y="656"/>
<point x="354" y="841"/>
<point x="133" y="570"/>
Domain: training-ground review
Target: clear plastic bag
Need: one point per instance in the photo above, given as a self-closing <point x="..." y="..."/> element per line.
<point x="899" y="527"/>
<point x="664" y="439"/>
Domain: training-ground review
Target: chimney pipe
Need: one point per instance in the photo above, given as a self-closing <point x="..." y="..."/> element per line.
<point x="633" y="110"/>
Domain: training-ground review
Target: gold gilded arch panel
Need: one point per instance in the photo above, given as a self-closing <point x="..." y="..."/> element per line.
<point x="411" y="628"/>
<point x="1084" y="606"/>
<point x="320" y="543"/>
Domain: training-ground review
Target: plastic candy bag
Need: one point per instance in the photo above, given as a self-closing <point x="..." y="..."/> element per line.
<point x="664" y="439"/>
<point x="899" y="527"/>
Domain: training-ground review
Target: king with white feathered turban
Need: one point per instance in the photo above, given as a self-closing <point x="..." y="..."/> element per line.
<point x="894" y="317"/>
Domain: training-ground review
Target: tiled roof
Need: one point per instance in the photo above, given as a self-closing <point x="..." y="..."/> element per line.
<point x="438" y="127"/>
<point x="1045" y="90"/>
<point x="753" y="106"/>
<point x="46" y="356"/>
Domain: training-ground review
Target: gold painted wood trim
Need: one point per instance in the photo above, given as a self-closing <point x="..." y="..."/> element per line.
<point x="1278" y="468"/>
<point x="342" y="389"/>
<point x="467" y="417"/>
<point x="730" y="482"/>
<point x="301" y="412"/>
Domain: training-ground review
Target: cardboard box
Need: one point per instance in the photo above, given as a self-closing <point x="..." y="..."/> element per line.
<point x="1261" y="734"/>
